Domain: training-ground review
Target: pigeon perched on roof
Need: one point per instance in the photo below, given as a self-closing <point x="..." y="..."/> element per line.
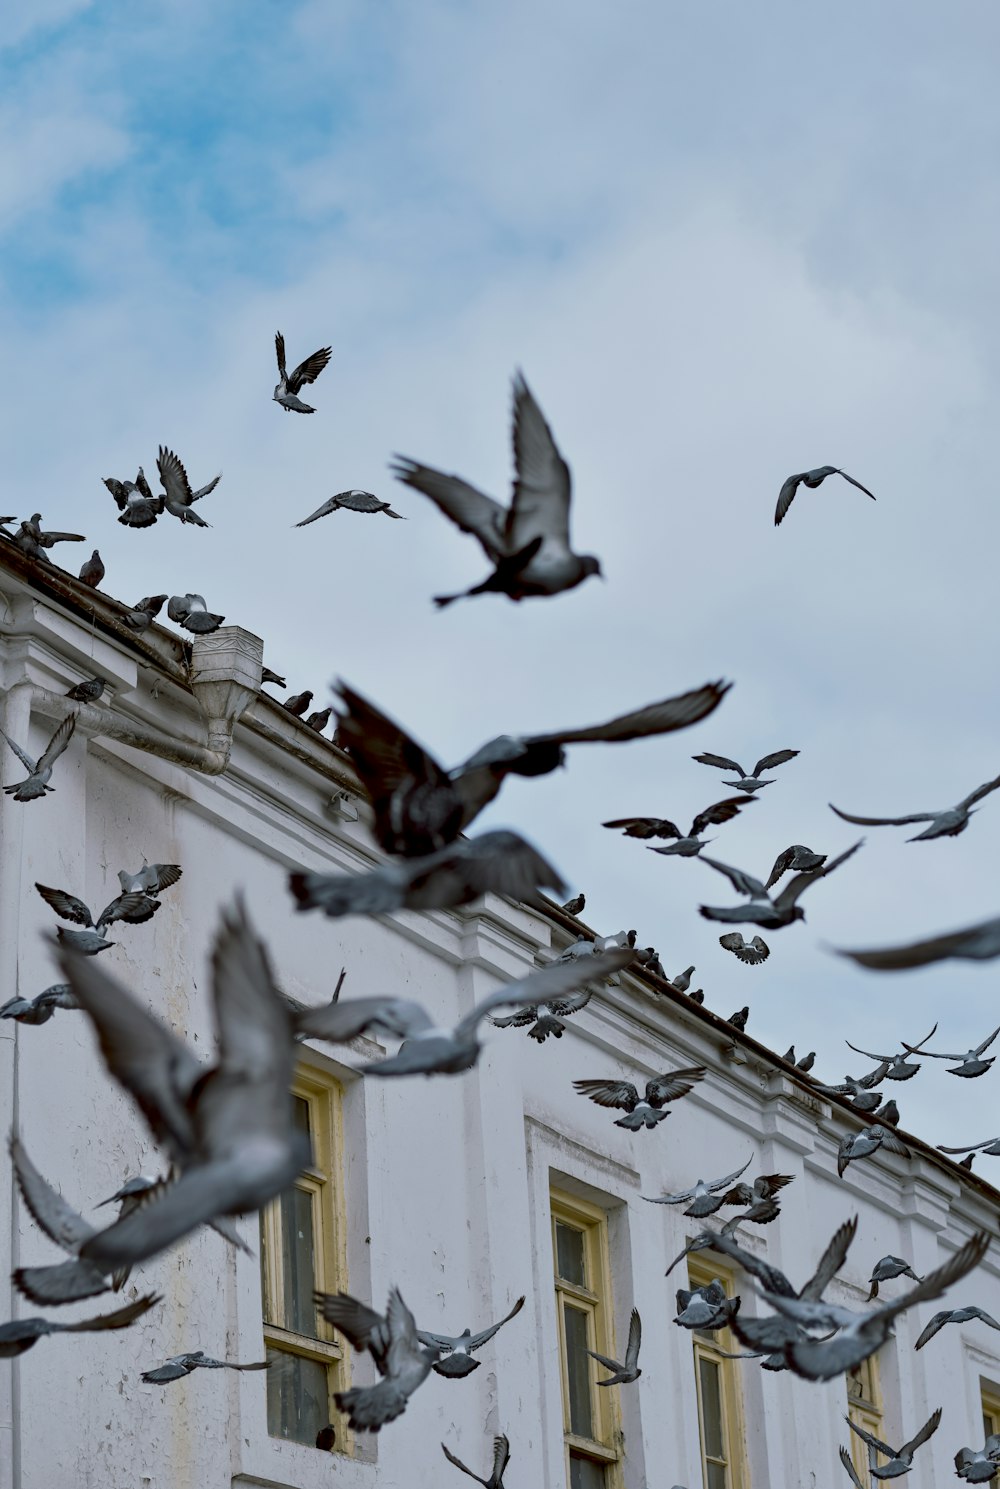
<point x="705" y="1308"/>
<point x="21" y="1333"/>
<point x="886" y="1269"/>
<point x="898" y="1068"/>
<point x="980" y="942"/>
<point x="648" y="1110"/>
<point x="494" y="863"/>
<point x="954" y="1316"/>
<point x="87" y="692"/>
<point x="298" y="702"/>
<point x="180" y="1365"/>
<point x="351" y="501"/>
<point x="862" y="1334"/>
<point x="319" y="719"/>
<point x="137" y="506"/>
<point x="140" y="617"/>
<point x="575" y="906"/>
<point x="704" y="1193"/>
<point x="760" y="909"/>
<point x="900" y="1459"/>
<point x="683" y="980"/>
<point x="623" y="1373"/>
<point x="947" y="823"/>
<point x="867" y="1142"/>
<point x="393" y="1343"/>
<point x="979" y="1465"/>
<point x="687" y="844"/>
<point x="273" y="678"/>
<point x="528" y="543"/>
<point x="33" y="541"/>
<point x="889" y="1114"/>
<point x="40" y="1009"/>
<point x="739" y="1018"/>
<point x="290" y="384"/>
<point x="456" y="1350"/>
<point x="93" y="571"/>
<point x="420" y="807"/>
<point x="179" y="499"/>
<point x="134" y="908"/>
<point x="501" y="1457"/>
<point x="151" y="879"/>
<point x="430" y="1050"/>
<point x="752" y="953"/>
<point x="229" y="1128"/>
<point x="799" y="859"/>
<point x="971" y="1063"/>
<point x="810" y="479"/>
<point x="748" y="781"/>
<point x="39" y="771"/>
<point x="191" y="612"/>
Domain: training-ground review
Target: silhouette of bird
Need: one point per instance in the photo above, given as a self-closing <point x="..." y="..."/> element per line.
<point x="39" y="771"/>
<point x="646" y="1111"/>
<point x="687" y="844"/>
<point x="761" y="909"/>
<point x="980" y="942"/>
<point x="178" y="498"/>
<point x="180" y="1365"/>
<point x="811" y="479"/>
<point x="704" y="1194"/>
<point x="748" y="782"/>
<point x="21" y="1333"/>
<point x="947" y="823"/>
<point x="623" y="1373"/>
<point x="289" y="385"/>
<point x="886" y="1269"/>
<point x="137" y="506"/>
<point x="351" y="501"/>
<point x="456" y="1349"/>
<point x="393" y="1343"/>
<point x="799" y="858"/>
<point x="752" y="953"/>
<point x="971" y="1063"/>
<point x="900" y="1459"/>
<point x="501" y="1457"/>
<point x="954" y="1316"/>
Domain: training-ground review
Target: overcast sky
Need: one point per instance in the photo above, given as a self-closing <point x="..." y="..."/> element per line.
<point x="724" y="243"/>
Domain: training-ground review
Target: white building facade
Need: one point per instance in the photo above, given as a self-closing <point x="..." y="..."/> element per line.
<point x="465" y="1192"/>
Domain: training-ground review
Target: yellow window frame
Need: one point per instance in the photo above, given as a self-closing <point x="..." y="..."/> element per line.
<point x="989" y="1395"/>
<point x="711" y="1348"/>
<point x="595" y="1301"/>
<point x="322" y="1180"/>
<point x="865" y="1407"/>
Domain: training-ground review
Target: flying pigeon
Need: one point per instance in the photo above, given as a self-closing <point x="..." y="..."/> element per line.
<point x="953" y="1316"/>
<point x="947" y="823"/>
<point x="137" y="506"/>
<point x="140" y="617"/>
<point x="747" y="782"/>
<point x="21" y="1333"/>
<point x="39" y="771"/>
<point x="393" y="1343"/>
<point x="33" y="542"/>
<point x="455" y="1360"/>
<point x="151" y="879"/>
<point x="761" y="909"/>
<point x="849" y="1468"/>
<point x="764" y="1188"/>
<point x="191" y="612"/>
<point x="623" y="1374"/>
<point x="861" y="1091"/>
<point x="93" y="571"/>
<point x="545" y="1018"/>
<point x="229" y="1128"/>
<point x="134" y="908"/>
<point x="898" y="1067"/>
<point x="704" y="1193"/>
<point x="979" y="943"/>
<point x="501" y="1457"/>
<point x="900" y="1459"/>
<point x="179" y="499"/>
<point x="351" y="501"/>
<point x="290" y="385"/>
<point x="979" y="1465"/>
<point x="705" y="1308"/>
<point x="429" y="1050"/>
<point x="646" y="1111"/>
<point x="752" y="953"/>
<point x="419" y="807"/>
<point x="87" y="692"/>
<point x="40" y="1009"/>
<point x="799" y="858"/>
<point x="180" y="1365"/>
<point x="888" y="1268"/>
<point x="811" y="479"/>
<point x="971" y="1063"/>
<point x="528" y="543"/>
<point x="687" y="844"/>
<point x="758" y="1214"/>
<point x="493" y="863"/>
<point x="865" y="1143"/>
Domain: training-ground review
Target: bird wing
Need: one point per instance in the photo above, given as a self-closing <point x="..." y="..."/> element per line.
<point x="610" y="1093"/>
<point x="717" y="1184"/>
<point x="721" y="762"/>
<point x="404" y="1347"/>
<point x="938" y="1281"/>
<point x="279" y="347"/>
<point x="969" y="1147"/>
<point x="984" y="1317"/>
<point x="766" y="1186"/>
<point x="118" y="490"/>
<point x="388" y="760"/>
<point x="549" y="983"/>
<point x="634" y="1340"/>
<point x="719" y="812"/>
<point x="330" y="505"/>
<point x="501" y="1457"/>
<point x="920" y="953"/>
<point x="178" y="607"/>
<point x="470" y="509"/>
<point x="781" y="863"/>
<point x="787" y="495"/>
<point x="732" y="941"/>
<point x="874" y="1077"/>
<point x="46" y="1206"/>
<point x="773" y="1281"/>
<point x="478" y="1340"/>
<point x="801" y="882"/>
<point x="855" y="483"/>
<point x="769" y="762"/>
<point x="875" y="1443"/>
<point x="516" y="1020"/>
<point x="562" y="1008"/>
<point x="936" y="1324"/>
<point x="845" y="1459"/>
<point x="980" y="1048"/>
<point x="673" y="1084"/>
<point x="120" y="1319"/>
<point x="459" y="1464"/>
<point x="365" y="1328"/>
<point x="919" y="1438"/>
<point x="980" y="792"/>
<point x="604" y="1360"/>
<point x="742" y="882"/>
<point x="868" y="1054"/>
<point x="541" y="500"/>
<point x="25" y="760"/>
<point x="66" y="906"/>
<point x="56" y="744"/>
<point x="656" y="718"/>
<point x="830" y="1262"/>
<point x="496" y="862"/>
<point x="646" y="827"/>
<point x="309" y="369"/>
<point x="196" y="496"/>
<point x="882" y="821"/>
<point x="135" y="908"/>
<point x="174" y="478"/>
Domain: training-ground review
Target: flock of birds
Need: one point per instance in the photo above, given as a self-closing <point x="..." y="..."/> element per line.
<point x="227" y="1128"/>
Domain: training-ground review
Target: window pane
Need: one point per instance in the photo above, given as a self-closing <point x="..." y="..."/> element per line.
<point x="989" y="1423"/>
<point x="718" y="1477"/>
<point x="297" y="1261"/>
<point x="578" y="1370"/>
<point x="711" y="1409"/>
<point x="298" y="1402"/>
<point x="570" y="1254"/>
<point x="301" y="1114"/>
<point x="584" y="1473"/>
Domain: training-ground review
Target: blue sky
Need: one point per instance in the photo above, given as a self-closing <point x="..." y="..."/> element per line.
<point x="724" y="243"/>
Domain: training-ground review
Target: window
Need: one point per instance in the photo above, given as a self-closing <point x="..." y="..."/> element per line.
<point x="864" y="1406"/>
<point x="990" y="1395"/>
<point x="301" y="1248"/>
<point x="583" y="1304"/>
<point x="723" y="1462"/>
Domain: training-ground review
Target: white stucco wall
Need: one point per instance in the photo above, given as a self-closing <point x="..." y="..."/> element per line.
<point x="446" y="1180"/>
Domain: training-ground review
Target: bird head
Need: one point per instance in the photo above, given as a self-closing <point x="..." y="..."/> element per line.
<point x="591" y="565"/>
